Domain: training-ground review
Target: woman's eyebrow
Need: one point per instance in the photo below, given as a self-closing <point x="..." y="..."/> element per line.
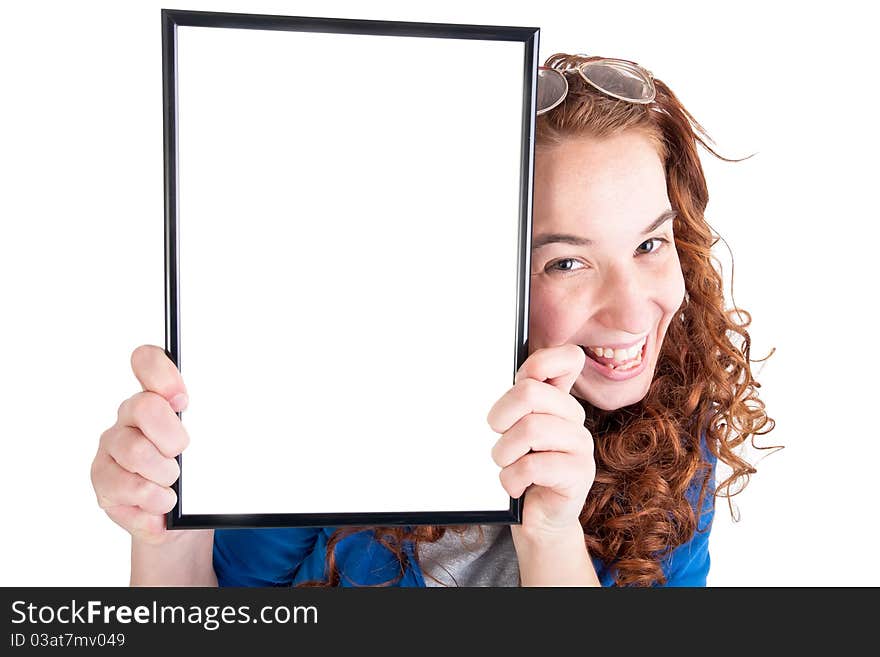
<point x="565" y="238"/>
<point x="662" y="219"/>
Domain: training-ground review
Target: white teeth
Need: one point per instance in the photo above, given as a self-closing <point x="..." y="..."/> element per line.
<point x="624" y="366"/>
<point x="620" y="355"/>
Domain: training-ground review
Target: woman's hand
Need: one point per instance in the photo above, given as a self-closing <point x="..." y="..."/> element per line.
<point x="133" y="471"/>
<point x="135" y="465"/>
<point x="544" y="449"/>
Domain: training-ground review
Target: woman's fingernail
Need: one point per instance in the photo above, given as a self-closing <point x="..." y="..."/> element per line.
<point x="179" y="401"/>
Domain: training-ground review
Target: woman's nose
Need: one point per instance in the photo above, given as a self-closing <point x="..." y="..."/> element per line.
<point x="624" y="300"/>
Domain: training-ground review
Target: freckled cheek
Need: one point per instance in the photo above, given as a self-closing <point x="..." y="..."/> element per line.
<point x="553" y="318"/>
<point x="671" y="296"/>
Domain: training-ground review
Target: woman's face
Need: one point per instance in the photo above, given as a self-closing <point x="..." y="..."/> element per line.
<point x="605" y="273"/>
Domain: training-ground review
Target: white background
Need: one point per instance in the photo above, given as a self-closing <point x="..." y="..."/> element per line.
<point x="81" y="206"/>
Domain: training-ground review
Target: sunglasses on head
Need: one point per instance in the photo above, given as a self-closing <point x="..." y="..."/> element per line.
<point x="617" y="78"/>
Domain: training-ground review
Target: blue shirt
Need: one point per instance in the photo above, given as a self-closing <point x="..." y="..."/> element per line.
<point x="287" y="556"/>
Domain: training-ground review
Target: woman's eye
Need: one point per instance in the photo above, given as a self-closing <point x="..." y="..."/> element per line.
<point x="651" y="241"/>
<point x="564" y="265"/>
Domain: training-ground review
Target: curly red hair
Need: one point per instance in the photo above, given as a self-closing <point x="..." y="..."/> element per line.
<point x="648" y="454"/>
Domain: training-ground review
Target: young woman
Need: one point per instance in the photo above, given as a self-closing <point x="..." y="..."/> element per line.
<point x="637" y="382"/>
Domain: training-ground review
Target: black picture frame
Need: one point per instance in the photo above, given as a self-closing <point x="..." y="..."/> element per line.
<point x="170" y="20"/>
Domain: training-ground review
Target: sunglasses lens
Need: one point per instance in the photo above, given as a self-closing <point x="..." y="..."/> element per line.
<point x="619" y="79"/>
<point x="552" y="88"/>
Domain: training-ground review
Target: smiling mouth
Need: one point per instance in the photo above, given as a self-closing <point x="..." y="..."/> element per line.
<point x="616" y="361"/>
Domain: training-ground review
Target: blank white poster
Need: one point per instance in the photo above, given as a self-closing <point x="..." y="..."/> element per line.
<point x="348" y="222"/>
